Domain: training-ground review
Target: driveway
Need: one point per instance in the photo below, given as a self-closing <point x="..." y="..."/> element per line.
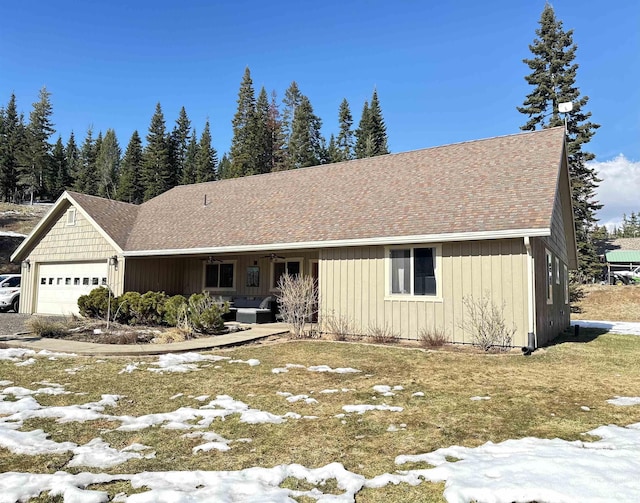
<point x="12" y="323"/>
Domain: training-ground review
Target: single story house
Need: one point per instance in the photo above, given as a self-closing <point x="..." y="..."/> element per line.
<point x="396" y="241"/>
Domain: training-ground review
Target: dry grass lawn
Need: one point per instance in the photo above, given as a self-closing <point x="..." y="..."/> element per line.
<point x="540" y="396"/>
<point x="610" y="303"/>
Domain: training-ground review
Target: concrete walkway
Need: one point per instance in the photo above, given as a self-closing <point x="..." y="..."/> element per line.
<point x="90" y="349"/>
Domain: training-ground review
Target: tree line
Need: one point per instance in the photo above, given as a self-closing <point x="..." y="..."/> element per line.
<point x="267" y="136"/>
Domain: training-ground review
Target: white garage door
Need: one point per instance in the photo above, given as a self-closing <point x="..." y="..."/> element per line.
<point x="60" y="285"/>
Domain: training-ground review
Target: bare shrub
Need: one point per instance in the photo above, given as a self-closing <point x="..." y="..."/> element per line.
<point x="382" y="334"/>
<point x="298" y="301"/>
<point x="432" y="338"/>
<point x="172" y="335"/>
<point x="339" y="327"/>
<point x="45" y="327"/>
<point x="485" y="322"/>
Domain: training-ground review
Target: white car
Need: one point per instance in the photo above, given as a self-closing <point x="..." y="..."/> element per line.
<point x="9" y="292"/>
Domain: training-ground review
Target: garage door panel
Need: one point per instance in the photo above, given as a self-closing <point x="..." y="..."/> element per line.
<point x="60" y="285"/>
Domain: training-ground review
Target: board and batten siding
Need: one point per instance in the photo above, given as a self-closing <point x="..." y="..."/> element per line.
<point x="64" y="243"/>
<point x="185" y="276"/>
<point x="353" y="285"/>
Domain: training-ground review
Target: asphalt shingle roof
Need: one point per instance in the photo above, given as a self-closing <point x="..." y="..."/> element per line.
<point x="497" y="184"/>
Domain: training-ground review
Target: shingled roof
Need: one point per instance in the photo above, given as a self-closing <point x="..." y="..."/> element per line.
<point x="484" y="186"/>
<point x="504" y="186"/>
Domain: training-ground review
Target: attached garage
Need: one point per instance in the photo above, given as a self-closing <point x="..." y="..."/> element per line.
<point x="60" y="285"/>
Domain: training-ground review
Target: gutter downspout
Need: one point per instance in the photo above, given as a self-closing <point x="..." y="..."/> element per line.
<point x="532" y="342"/>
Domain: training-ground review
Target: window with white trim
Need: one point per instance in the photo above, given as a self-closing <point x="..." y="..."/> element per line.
<point x="566" y="284"/>
<point x="557" y="271"/>
<point x="292" y="267"/>
<point x="71" y="216"/>
<point x="220" y="275"/>
<point x="412" y="271"/>
<point x="549" y="276"/>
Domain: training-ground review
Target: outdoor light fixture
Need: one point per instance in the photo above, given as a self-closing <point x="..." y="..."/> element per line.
<point x="113" y="260"/>
<point x="213" y="260"/>
<point x="26" y="264"/>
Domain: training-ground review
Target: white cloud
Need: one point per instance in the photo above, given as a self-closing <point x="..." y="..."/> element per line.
<point x="619" y="190"/>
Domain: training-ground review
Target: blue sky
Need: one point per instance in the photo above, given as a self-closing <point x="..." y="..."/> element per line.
<point x="445" y="72"/>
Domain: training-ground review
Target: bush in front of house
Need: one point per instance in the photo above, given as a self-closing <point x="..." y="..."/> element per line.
<point x="200" y="313"/>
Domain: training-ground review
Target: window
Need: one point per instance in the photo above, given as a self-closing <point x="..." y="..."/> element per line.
<point x="220" y="276"/>
<point x="71" y="216"/>
<point x="557" y="271"/>
<point x="43" y="281"/>
<point x="104" y="281"/>
<point x="413" y="271"/>
<point x="549" y="276"/>
<point x="566" y="285"/>
<point x="76" y="281"/>
<point x="94" y="281"/>
<point x="51" y="281"/>
<point x="292" y="267"/>
<point x="67" y="281"/>
<point x="85" y="281"/>
<point x="13" y="282"/>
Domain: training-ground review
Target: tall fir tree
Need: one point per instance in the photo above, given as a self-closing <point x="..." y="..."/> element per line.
<point x="72" y="155"/>
<point x="371" y="135"/>
<point x="180" y="137"/>
<point x="191" y="161"/>
<point x="157" y="173"/>
<point x="306" y="147"/>
<point x="108" y="165"/>
<point x="262" y="147"/>
<point x="291" y="101"/>
<point x="553" y="77"/>
<point x="86" y="180"/>
<point x="206" y="157"/>
<point x="344" y="142"/>
<point x="36" y="173"/>
<point x="243" y="141"/>
<point x="224" y="168"/>
<point x="364" y="143"/>
<point x="274" y="125"/>
<point x="130" y="189"/>
<point x="12" y="149"/>
<point x="60" y="169"/>
<point x="334" y="154"/>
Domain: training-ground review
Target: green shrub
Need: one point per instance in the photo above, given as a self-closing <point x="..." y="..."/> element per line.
<point x="95" y="304"/>
<point x="127" y="308"/>
<point x="151" y="308"/>
<point x="174" y="310"/>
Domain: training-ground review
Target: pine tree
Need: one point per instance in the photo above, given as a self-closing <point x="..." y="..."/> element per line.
<point x="291" y="101"/>
<point x="224" y="168"/>
<point x="108" y="165"/>
<point x="344" y="143"/>
<point x="157" y="173"/>
<point x="190" y="161"/>
<point x="242" y="155"/>
<point x="274" y="125"/>
<point x="72" y="156"/>
<point x="306" y="144"/>
<point x="364" y="143"/>
<point x="12" y="149"/>
<point x="35" y="176"/>
<point x="206" y="157"/>
<point x="86" y="180"/>
<point x="262" y="147"/>
<point x="60" y="169"/>
<point x="180" y="137"/>
<point x="553" y="79"/>
<point x="334" y="154"/>
<point x="378" y="127"/>
<point x="130" y="188"/>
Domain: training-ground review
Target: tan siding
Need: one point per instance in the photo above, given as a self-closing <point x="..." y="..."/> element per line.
<point x="65" y="243"/>
<point x="469" y="268"/>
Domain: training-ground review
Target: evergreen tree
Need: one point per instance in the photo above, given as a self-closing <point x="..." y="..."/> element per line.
<point x="108" y="165"/>
<point x="344" y="143"/>
<point x="180" y="137"/>
<point x="242" y="155"/>
<point x="72" y="156"/>
<point x="206" y="158"/>
<point x="36" y="174"/>
<point x="12" y="149"/>
<point x="364" y="143"/>
<point x="60" y="169"/>
<point x="274" y="125"/>
<point x="553" y="78"/>
<point x="224" y="168"/>
<point x="292" y="100"/>
<point x="378" y="127"/>
<point x="130" y="188"/>
<point x="306" y="144"/>
<point x="86" y="180"/>
<point x="262" y="147"/>
<point x="334" y="154"/>
<point x="157" y="173"/>
<point x="191" y="161"/>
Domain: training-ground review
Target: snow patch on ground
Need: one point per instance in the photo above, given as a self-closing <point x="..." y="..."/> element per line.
<point x="614" y="327"/>
<point x="314" y="368"/>
<point x="183" y="362"/>
<point x="624" y="401"/>
<point x="361" y="409"/>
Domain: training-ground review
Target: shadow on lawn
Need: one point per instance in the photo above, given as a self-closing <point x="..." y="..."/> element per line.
<point x="583" y="335"/>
